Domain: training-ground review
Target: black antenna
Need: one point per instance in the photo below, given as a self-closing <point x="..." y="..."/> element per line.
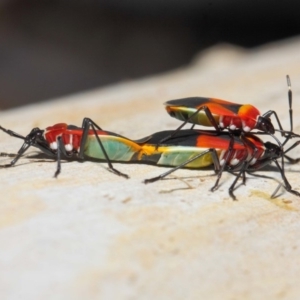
<point x="290" y="96"/>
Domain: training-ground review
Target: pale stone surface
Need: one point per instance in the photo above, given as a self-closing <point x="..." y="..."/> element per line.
<point x="92" y="235"/>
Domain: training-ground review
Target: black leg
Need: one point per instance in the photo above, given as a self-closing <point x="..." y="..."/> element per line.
<point x="209" y="116"/>
<point x="60" y="148"/>
<point x="286" y="185"/>
<point x="242" y="172"/>
<point x="290" y="159"/>
<point x="12" y="133"/>
<point x="215" y="162"/>
<point x="226" y="160"/>
<point x="22" y="150"/>
<point x="88" y="124"/>
<point x="34" y="138"/>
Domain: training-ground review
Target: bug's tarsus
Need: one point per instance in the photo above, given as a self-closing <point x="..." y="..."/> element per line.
<point x="231" y="194"/>
<point x="153" y="179"/>
<point x="286" y="185"/>
<point x="241" y="173"/>
<point x="291" y="160"/>
<point x="115" y="171"/>
<point x="274" y="194"/>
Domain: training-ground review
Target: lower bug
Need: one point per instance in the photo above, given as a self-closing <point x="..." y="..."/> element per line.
<point x="235" y="154"/>
<point x="189" y="148"/>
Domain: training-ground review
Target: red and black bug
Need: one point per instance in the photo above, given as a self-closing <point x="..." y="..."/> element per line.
<point x="223" y="114"/>
<point x="239" y="155"/>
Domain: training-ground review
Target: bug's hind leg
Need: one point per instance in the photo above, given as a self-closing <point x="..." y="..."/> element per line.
<point x="214" y="157"/>
<point x="216" y="163"/>
<point x="88" y="124"/>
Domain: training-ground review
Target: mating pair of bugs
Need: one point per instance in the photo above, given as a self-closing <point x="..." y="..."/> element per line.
<point x="230" y="146"/>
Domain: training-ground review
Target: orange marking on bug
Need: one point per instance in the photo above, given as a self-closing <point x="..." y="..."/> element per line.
<point x="248" y="114"/>
<point x="217" y="109"/>
<point x="217" y="143"/>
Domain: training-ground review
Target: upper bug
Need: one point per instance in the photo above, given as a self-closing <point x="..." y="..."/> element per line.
<point x="220" y="114"/>
<point x="223" y="114"/>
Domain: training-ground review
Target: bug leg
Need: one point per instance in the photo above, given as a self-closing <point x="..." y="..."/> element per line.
<point x="22" y="150"/>
<point x="58" y="168"/>
<point x="245" y="164"/>
<point x="290" y="159"/>
<point x="269" y="113"/>
<point x="214" y="157"/>
<point x="88" y="121"/>
<point x="88" y="124"/>
<point x="226" y="159"/>
<point x="35" y="138"/>
<point x="209" y="116"/>
<point x="287" y="185"/>
<point x="60" y="149"/>
<point x="242" y="172"/>
<point x="244" y="178"/>
<point x="12" y="133"/>
<point x="276" y="190"/>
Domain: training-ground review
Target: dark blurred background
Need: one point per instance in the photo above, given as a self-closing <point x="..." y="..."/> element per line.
<point x="53" y="48"/>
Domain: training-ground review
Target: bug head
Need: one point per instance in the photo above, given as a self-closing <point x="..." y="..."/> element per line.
<point x="264" y="124"/>
<point x="36" y="138"/>
<point x="273" y="151"/>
